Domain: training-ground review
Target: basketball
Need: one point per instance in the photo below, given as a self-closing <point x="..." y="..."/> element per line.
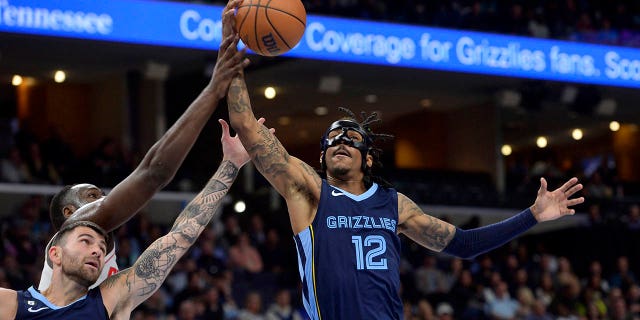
<point x="271" y="27"/>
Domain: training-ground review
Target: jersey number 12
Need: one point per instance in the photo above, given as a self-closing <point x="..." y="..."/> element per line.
<point x="375" y="246"/>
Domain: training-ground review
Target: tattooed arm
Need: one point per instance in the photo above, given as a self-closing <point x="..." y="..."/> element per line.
<point x="428" y="231"/>
<point x="125" y="290"/>
<point x="439" y="236"/>
<point x="296" y="181"/>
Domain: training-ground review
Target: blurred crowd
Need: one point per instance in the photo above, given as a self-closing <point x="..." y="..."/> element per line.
<point x="245" y="267"/>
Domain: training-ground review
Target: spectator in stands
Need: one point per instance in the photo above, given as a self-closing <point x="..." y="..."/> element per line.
<point x="109" y="163"/>
<point x="539" y="312"/>
<point x="188" y="310"/>
<point x="273" y="252"/>
<point x="526" y="302"/>
<point x="245" y="257"/>
<point x="632" y="218"/>
<point x="423" y="311"/>
<point x="195" y="287"/>
<point x="13" y="169"/>
<point x="214" y="306"/>
<point x="463" y="294"/>
<point x="623" y="277"/>
<point x="633" y="300"/>
<point x="444" y="311"/>
<point x="545" y="291"/>
<point x="429" y="279"/>
<point x="252" y="307"/>
<point x="282" y="309"/>
<point x="212" y="258"/>
<point x="40" y="168"/>
<point x="502" y="306"/>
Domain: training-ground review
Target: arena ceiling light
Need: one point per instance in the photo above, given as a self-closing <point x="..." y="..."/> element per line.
<point x="59" y="76"/>
<point x="614" y="126"/>
<point x="269" y="93"/>
<point x="16" y="80"/>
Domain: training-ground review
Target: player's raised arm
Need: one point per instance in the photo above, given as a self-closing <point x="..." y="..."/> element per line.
<point x="128" y="288"/>
<point x="163" y="159"/>
<point x="296" y="181"/>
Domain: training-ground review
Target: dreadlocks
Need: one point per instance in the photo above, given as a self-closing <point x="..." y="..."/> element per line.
<point x="367" y="146"/>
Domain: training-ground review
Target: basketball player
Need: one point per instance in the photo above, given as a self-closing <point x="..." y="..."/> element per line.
<point x="78" y="250"/>
<point x="157" y="168"/>
<point x="347" y="222"/>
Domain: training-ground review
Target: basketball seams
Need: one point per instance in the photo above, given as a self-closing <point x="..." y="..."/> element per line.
<point x="266" y="35"/>
<point x="255" y="28"/>
<point x="266" y="15"/>
<point x="276" y="9"/>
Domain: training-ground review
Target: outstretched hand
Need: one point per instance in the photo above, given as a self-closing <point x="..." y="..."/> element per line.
<point x="232" y="148"/>
<point x="231" y="62"/>
<point x="551" y="205"/>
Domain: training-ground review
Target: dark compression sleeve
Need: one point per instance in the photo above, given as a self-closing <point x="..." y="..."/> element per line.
<point x="468" y="244"/>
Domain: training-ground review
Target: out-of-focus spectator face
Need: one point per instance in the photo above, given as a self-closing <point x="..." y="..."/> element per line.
<point x="283" y="299"/>
<point x="456" y="265"/>
<point x="187" y="310"/>
<point x="595" y="267"/>
<point x="512" y="262"/>
<point x="521" y="276"/>
<point x="425" y="310"/>
<point x="212" y="296"/>
<point x="564" y="265"/>
<point x="466" y="279"/>
<point x="623" y="264"/>
<point x="253" y="302"/>
<point x="546" y="281"/>
<point x="501" y="289"/>
<point x="539" y="308"/>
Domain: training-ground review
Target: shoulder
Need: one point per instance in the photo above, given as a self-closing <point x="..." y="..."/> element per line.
<point x="9" y="300"/>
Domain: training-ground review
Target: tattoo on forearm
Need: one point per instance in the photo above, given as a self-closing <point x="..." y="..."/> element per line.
<point x="238" y="98"/>
<point x="156" y="262"/>
<point x="434" y="234"/>
<point x="269" y="156"/>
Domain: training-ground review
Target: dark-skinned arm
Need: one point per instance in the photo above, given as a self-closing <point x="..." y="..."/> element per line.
<point x="163" y="159"/>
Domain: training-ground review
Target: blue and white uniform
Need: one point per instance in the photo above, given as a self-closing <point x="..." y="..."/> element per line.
<point x="350" y="255"/>
<point x="33" y="305"/>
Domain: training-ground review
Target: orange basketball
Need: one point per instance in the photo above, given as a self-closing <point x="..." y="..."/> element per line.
<point x="271" y="27"/>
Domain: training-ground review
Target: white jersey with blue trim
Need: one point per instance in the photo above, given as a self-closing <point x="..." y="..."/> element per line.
<point x="349" y="256"/>
<point x="110" y="268"/>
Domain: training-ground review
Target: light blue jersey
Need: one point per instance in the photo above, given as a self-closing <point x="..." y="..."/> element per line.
<point x="349" y="257"/>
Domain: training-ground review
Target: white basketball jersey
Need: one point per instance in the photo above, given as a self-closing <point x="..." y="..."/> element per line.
<point x="110" y="268"/>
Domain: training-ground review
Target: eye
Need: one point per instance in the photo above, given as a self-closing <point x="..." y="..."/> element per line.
<point x="355" y="136"/>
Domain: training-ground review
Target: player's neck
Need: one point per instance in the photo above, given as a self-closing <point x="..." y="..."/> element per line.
<point x="63" y="291"/>
<point x="353" y="186"/>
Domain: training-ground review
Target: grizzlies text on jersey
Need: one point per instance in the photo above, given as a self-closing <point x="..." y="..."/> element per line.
<point x="349" y="257"/>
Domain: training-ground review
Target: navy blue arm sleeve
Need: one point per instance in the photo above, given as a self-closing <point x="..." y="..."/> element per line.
<point x="468" y="244"/>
